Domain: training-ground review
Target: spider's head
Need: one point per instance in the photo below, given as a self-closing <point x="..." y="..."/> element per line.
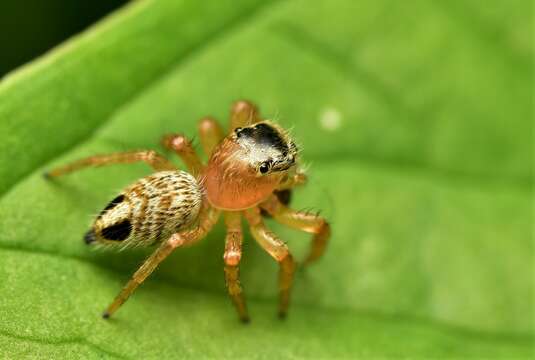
<point x="249" y="165"/>
<point x="265" y="147"/>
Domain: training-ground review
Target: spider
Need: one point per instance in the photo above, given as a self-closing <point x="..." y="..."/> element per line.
<point x="248" y="173"/>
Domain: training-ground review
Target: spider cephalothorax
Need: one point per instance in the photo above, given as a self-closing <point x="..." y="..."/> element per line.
<point x="266" y="147"/>
<point x="248" y="165"/>
<point x="246" y="174"/>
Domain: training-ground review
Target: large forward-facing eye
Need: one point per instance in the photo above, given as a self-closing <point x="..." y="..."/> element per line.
<point x="264" y="167"/>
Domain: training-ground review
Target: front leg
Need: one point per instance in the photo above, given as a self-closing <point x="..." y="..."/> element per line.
<point x="311" y="223"/>
<point x="290" y="182"/>
<point x="284" y="190"/>
<point x="279" y="251"/>
<point x="232" y="257"/>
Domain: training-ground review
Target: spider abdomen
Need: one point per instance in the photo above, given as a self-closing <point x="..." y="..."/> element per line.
<point x="149" y="211"/>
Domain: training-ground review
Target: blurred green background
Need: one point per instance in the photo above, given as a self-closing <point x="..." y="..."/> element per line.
<point x="416" y="124"/>
<point x="29" y="28"/>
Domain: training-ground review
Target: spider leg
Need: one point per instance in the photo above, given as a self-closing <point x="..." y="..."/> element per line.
<point x="211" y="134"/>
<point x="182" y="147"/>
<point x="151" y="157"/>
<point x="284" y="190"/>
<point x="297" y="179"/>
<point x="232" y="257"/>
<point x="279" y="251"/>
<point x="144" y="271"/>
<point x="207" y="219"/>
<point x="311" y="223"/>
<point x="243" y="113"/>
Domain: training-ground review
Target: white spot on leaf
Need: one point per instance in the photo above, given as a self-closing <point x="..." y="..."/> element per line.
<point x="330" y="119"/>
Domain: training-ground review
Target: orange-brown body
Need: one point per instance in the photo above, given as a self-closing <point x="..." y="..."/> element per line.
<point x="235" y="185"/>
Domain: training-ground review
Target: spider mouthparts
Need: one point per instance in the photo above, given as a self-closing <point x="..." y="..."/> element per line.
<point x="89" y="237"/>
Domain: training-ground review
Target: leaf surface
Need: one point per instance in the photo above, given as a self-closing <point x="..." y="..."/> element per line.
<point x="414" y="120"/>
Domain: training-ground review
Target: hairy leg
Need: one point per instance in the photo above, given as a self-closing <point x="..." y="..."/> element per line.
<point x="284" y="190"/>
<point x="207" y="219"/>
<point x="144" y="271"/>
<point x="243" y="113"/>
<point x="151" y="157"/>
<point x="211" y="134"/>
<point x="232" y="257"/>
<point x="311" y="223"/>
<point x="279" y="251"/>
<point x="297" y="179"/>
<point x="183" y="148"/>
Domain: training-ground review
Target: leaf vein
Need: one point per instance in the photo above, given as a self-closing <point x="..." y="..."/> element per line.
<point x="63" y="341"/>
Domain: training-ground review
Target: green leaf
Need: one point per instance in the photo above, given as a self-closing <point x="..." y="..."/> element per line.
<point x="415" y="121"/>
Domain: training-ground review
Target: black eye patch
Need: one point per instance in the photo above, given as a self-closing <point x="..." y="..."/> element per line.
<point x="265" y="134"/>
<point x="117" y="232"/>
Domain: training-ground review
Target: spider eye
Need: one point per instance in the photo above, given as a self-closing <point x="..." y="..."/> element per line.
<point x="238" y="131"/>
<point x="264" y="167"/>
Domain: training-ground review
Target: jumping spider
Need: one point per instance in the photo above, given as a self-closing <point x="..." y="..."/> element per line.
<point x="246" y="173"/>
